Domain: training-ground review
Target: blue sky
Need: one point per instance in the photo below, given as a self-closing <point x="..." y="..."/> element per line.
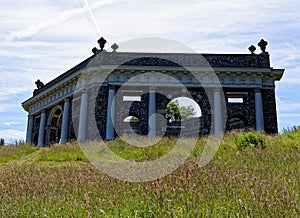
<point x="42" y="39"/>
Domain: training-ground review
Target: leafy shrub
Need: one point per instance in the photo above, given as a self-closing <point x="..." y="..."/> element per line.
<point x="250" y="139"/>
<point x="1" y="142"/>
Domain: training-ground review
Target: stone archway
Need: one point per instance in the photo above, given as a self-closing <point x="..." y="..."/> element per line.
<point x="237" y="122"/>
<point x="54" y="125"/>
<point x="184" y="115"/>
<point x="132" y="123"/>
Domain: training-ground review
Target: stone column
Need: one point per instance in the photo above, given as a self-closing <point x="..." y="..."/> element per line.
<point x="29" y="130"/>
<point x="151" y="114"/>
<point x="42" y="129"/>
<point x="65" y="122"/>
<point x="110" y="117"/>
<point x="217" y="112"/>
<point x="259" y="113"/>
<point x="83" y="116"/>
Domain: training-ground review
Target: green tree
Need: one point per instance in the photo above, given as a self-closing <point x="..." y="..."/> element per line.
<point x="1" y="142"/>
<point x="134" y="119"/>
<point x="177" y="113"/>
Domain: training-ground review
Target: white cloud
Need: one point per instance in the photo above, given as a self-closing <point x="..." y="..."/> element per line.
<point x="288" y="107"/>
<point x="10" y="135"/>
<point x="291" y="81"/>
<point x="47" y="22"/>
<point x="192" y="17"/>
<point x="7" y="107"/>
<point x="13" y="123"/>
<point x="291" y="77"/>
<point x="288" y="112"/>
<point x="9" y="89"/>
<point x="290" y="115"/>
<point x="2" y="108"/>
<point x="286" y="55"/>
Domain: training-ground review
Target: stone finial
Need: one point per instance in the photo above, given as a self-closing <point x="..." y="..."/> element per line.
<point x="95" y="50"/>
<point x="102" y="43"/>
<point x="114" y="47"/>
<point x="252" y="49"/>
<point x="263" y="45"/>
<point x="39" y="84"/>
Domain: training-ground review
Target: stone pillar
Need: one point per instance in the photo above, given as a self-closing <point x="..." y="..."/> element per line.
<point x="65" y="122"/>
<point x="151" y="114"/>
<point x="42" y="129"/>
<point x="29" y="130"/>
<point x="83" y="116"/>
<point x="259" y="113"/>
<point x="110" y="117"/>
<point x="217" y="112"/>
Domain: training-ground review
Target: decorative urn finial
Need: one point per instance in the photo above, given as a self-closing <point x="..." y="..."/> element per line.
<point x="263" y="45"/>
<point x="114" y="47"/>
<point x="95" y="50"/>
<point x="102" y="43"/>
<point x="252" y="49"/>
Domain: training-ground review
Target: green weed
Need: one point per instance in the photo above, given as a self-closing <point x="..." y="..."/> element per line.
<point x="250" y="140"/>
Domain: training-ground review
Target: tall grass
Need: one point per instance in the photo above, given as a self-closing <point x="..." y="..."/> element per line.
<point x="62" y="153"/>
<point x="9" y="153"/>
<point x="236" y="183"/>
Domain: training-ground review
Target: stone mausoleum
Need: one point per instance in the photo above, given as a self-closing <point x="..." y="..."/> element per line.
<point x="114" y="93"/>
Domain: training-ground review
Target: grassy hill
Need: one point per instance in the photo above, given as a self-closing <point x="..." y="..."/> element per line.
<point x="250" y="176"/>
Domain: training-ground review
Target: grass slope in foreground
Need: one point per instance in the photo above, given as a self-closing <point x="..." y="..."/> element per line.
<point x="239" y="182"/>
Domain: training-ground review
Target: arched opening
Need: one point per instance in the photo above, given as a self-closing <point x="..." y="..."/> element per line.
<point x="183" y="116"/>
<point x="131" y="119"/>
<point x="131" y="124"/>
<point x="54" y="125"/>
<point x="72" y="132"/>
<point x="237" y="122"/>
<point x="181" y="109"/>
<point x="35" y="138"/>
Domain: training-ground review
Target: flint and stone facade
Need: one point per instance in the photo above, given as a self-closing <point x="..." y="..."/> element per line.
<point x="83" y="103"/>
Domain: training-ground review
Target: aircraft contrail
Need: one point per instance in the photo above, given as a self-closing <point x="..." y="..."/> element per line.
<point x="92" y="16"/>
<point x="31" y="30"/>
